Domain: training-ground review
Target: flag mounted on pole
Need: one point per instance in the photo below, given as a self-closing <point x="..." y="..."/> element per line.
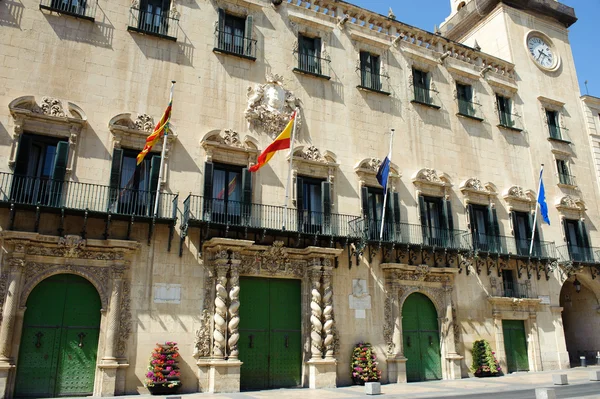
<point x="159" y="131"/>
<point x="282" y="142"/>
<point x="541" y="199"/>
<point x="384" y="172"/>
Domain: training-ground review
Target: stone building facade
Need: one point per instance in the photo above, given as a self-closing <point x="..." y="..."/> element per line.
<point x="96" y="267"/>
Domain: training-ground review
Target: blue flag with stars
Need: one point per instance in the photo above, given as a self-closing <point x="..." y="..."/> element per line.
<point x="541" y="199"/>
<point x="383" y="173"/>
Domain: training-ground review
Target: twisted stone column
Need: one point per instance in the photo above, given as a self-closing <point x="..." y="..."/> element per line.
<point x="397" y="343"/>
<point x="9" y="311"/>
<point x="328" y="325"/>
<point x="316" y="338"/>
<point x="234" y="315"/>
<point x="112" y="329"/>
<point x="220" y="317"/>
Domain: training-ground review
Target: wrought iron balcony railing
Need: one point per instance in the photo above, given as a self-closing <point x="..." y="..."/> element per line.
<point x="197" y="210"/>
<point x="312" y="65"/>
<point x="372" y="81"/>
<point x="46" y="193"/>
<point x="159" y="23"/>
<point x="516" y="290"/>
<point x="413" y="234"/>
<point x="505" y="245"/>
<point x="579" y="254"/>
<point x="426" y="96"/>
<point x="566" y="179"/>
<point x="510" y="121"/>
<point x="230" y="43"/>
<point x="559" y="133"/>
<point x="470" y="109"/>
<point x="85" y="9"/>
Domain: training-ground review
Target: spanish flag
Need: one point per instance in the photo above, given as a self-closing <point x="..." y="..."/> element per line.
<point x="282" y="142"/>
<point x="158" y="133"/>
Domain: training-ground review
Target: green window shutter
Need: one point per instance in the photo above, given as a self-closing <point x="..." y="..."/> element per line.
<point x="115" y="178"/>
<point x="326" y="206"/>
<point x="389" y="207"/>
<point x="221" y="20"/>
<point x="447" y="213"/>
<point x="22" y="156"/>
<point x="529" y="230"/>
<point x="246" y="196"/>
<point x="317" y="47"/>
<point x="208" y="180"/>
<point x="585" y="241"/>
<point x="515" y="227"/>
<point x="494" y="221"/>
<point x="154" y="172"/>
<point x="221" y="29"/>
<point x="60" y="161"/>
<point x="248" y="35"/>
<point x="472" y="221"/>
<point x="300" y="193"/>
<point x="423" y="211"/>
<point x="365" y="202"/>
<point x="396" y="207"/>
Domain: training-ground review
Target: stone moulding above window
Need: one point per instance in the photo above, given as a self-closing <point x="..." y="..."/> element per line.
<point x="308" y="161"/>
<point x="226" y="146"/>
<point x="367" y="172"/>
<point x="550" y="103"/>
<point x="419" y="57"/>
<point x="132" y="133"/>
<point x="571" y="207"/>
<point x="519" y="200"/>
<point x="370" y="38"/>
<point x="462" y="71"/>
<point x="476" y="192"/>
<point x="501" y="84"/>
<point x="431" y="183"/>
<point x="253" y="4"/>
<point x="320" y="22"/>
<point x="49" y="118"/>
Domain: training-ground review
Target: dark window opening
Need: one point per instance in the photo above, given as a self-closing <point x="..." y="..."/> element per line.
<point x="370" y="67"/>
<point x="553" y="124"/>
<point x="422" y="84"/>
<point x="154" y="16"/>
<point x="227" y="193"/>
<point x="577" y="241"/>
<point x="505" y="111"/>
<point x="309" y="54"/>
<point x="466" y="105"/>
<point x="234" y="34"/>
<point x="564" y="175"/>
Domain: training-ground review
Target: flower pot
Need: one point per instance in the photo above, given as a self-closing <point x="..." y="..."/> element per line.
<point x="163" y="389"/>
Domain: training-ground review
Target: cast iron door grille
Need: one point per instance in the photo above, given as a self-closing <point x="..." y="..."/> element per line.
<point x="270" y="334"/>
<point x="59" y="343"/>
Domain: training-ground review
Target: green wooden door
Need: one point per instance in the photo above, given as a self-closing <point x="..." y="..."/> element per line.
<point x="421" y="338"/>
<point x="515" y="345"/>
<point x="270" y="337"/>
<point x="57" y="356"/>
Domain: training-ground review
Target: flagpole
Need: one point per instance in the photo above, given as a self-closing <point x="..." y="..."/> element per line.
<point x="289" y="180"/>
<point x="386" y="186"/>
<point x="162" y="155"/>
<point x="537" y="204"/>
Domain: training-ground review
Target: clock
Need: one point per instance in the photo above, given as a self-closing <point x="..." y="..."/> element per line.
<point x="542" y="51"/>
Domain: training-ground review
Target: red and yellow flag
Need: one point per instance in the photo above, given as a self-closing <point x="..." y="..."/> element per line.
<point x="157" y="134"/>
<point x="282" y="142"/>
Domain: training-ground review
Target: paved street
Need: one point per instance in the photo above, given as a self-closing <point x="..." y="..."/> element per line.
<point x="514" y="386"/>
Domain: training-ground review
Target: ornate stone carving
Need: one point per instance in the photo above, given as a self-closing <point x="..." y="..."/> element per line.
<point x="429" y="175"/>
<point x="76" y="250"/>
<point x="421" y="272"/>
<point x="3" y="288"/>
<point x="202" y="343"/>
<point x="329" y="323"/>
<point x="50" y="106"/>
<point x="316" y="338"/>
<point x="474" y="184"/>
<point x="312" y="153"/>
<point x="275" y="258"/>
<point x="143" y="122"/>
<point x="72" y="245"/>
<point x="220" y="317"/>
<point x="124" y="320"/>
<point x="231" y="138"/>
<point x="518" y="193"/>
<point x="296" y="268"/>
<point x="388" y="325"/>
<point x="270" y="105"/>
<point x="250" y="265"/>
<point x="569" y="202"/>
<point x="234" y="315"/>
<point x="374" y="164"/>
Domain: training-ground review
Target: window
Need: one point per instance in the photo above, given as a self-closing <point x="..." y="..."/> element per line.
<point x="372" y="204"/>
<point x="370" y="71"/>
<point x="309" y="54"/>
<point x="522" y="224"/>
<point x="564" y="176"/>
<point x="313" y="202"/>
<point x="436" y="221"/>
<point x="466" y="106"/>
<point x="234" y="35"/>
<point x="509" y="284"/>
<point x="227" y="194"/>
<point x="154" y="16"/>
<point x="505" y="111"/>
<point x="75" y="7"/>
<point x="577" y="240"/>
<point x="484" y="228"/>
<point x="421" y="83"/>
<point x="553" y="124"/>
<point x="40" y="170"/>
<point x="133" y="187"/>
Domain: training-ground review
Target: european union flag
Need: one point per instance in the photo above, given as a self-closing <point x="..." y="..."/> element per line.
<point x="383" y="173"/>
<point x="541" y="199"/>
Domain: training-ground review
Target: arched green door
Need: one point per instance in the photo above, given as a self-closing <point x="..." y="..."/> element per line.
<point x="59" y="343"/>
<point x="421" y="337"/>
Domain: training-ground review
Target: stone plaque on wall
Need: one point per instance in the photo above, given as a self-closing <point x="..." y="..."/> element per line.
<point x="359" y="300"/>
<point x="167" y="293"/>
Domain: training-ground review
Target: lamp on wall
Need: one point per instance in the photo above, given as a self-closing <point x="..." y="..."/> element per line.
<point x="577" y="285"/>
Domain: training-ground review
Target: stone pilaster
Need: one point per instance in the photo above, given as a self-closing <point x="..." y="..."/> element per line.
<point x="7" y="328"/>
<point x="453" y="359"/>
<point x="220" y="317"/>
<point x="396" y="362"/>
<point x="499" y="334"/>
<point x="535" y="342"/>
<point x="234" y="306"/>
<point x="112" y="325"/>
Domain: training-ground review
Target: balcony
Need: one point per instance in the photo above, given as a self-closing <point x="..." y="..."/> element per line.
<point x="426" y="96"/>
<point x="470" y="109"/>
<point x="576" y="254"/>
<point x="413" y="234"/>
<point x="506" y="245"/>
<point x="374" y="82"/>
<point x="232" y="44"/>
<point x="88" y="200"/>
<point x="559" y="133"/>
<point x="510" y="121"/>
<point x="516" y="290"/>
<point x="75" y="8"/>
<point x="309" y="64"/>
<point x="567" y="180"/>
<point x="159" y="23"/>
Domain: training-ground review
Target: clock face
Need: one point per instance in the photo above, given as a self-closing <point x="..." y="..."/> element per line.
<point x="541" y="52"/>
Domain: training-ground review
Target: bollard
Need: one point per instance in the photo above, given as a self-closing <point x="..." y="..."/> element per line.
<point x="373" y="388"/>
<point x="560" y="379"/>
<point x="582" y="360"/>
<point x="595" y="375"/>
<point x="545" y="393"/>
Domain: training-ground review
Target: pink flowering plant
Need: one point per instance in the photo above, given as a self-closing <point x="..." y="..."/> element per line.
<point x="364" y="364"/>
<point x="163" y="370"/>
<point x="485" y="363"/>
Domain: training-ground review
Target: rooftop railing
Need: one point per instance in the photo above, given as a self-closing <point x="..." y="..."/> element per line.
<point x="85" y="9"/>
<point x="579" y="254"/>
<point x="313" y="65"/>
<point x="158" y="23"/>
<point x="47" y="193"/>
<point x="197" y="209"/>
<point x="230" y="43"/>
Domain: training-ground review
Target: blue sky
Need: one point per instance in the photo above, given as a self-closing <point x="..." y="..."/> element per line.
<point x="583" y="35"/>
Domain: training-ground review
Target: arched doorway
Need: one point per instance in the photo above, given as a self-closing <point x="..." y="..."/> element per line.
<point x="59" y="342"/>
<point x="581" y="322"/>
<point x="421" y="336"/>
